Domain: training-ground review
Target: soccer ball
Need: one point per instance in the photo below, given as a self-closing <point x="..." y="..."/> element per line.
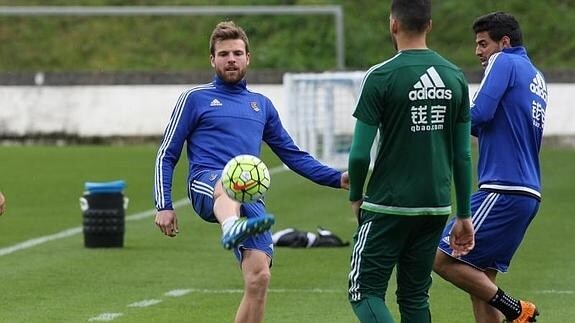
<point x="245" y="178"/>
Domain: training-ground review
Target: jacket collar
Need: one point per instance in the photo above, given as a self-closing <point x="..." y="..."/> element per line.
<point x="231" y="87"/>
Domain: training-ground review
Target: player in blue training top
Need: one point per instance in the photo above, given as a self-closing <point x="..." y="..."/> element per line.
<point x="218" y="121"/>
<point x="507" y="117"/>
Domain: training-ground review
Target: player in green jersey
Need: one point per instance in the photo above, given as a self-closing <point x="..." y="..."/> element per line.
<point x="419" y="102"/>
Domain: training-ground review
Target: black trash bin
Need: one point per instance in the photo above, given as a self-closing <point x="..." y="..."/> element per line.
<point x="103" y="208"/>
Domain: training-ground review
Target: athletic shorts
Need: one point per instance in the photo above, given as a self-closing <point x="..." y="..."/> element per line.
<point x="201" y="194"/>
<point x="500" y="222"/>
<point x="383" y="242"/>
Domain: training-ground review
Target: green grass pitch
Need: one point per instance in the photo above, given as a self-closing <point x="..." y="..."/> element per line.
<point x="191" y="278"/>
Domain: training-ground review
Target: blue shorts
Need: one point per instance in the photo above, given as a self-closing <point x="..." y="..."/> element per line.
<point x="201" y="193"/>
<point x="500" y="222"/>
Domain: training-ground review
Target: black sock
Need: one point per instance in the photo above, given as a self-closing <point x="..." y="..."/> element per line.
<point x="509" y="306"/>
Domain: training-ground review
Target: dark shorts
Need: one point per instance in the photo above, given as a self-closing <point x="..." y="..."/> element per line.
<point x="201" y="194"/>
<point x="500" y="222"/>
<point x="384" y="241"/>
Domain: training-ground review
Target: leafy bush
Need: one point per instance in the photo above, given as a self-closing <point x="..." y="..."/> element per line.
<point x="285" y="42"/>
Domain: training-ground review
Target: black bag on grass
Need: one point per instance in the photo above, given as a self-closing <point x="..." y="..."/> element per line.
<point x="295" y="238"/>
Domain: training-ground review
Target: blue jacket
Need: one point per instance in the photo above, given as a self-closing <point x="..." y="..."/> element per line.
<point x="218" y="121"/>
<point x="507" y="116"/>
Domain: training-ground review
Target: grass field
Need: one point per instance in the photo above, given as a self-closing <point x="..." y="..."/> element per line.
<point x="191" y="278"/>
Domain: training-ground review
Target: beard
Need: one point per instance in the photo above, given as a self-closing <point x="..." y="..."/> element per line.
<point x="230" y="75"/>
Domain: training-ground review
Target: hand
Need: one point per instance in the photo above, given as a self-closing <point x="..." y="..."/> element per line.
<point x="344" y="182"/>
<point x="462" y="238"/>
<point x="2" y="203"/>
<point x="167" y="221"/>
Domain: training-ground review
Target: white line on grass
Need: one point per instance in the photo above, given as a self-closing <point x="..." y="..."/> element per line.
<point x="553" y="291"/>
<point x="145" y="303"/>
<point x="77" y="230"/>
<point x="105" y="317"/>
<point x="276" y="291"/>
<point x="183" y="292"/>
<point x="38" y="241"/>
<point x="178" y="292"/>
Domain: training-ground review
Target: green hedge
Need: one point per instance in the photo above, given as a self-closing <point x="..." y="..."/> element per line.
<point x="286" y="42"/>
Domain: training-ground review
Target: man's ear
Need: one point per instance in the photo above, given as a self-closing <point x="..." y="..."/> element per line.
<point x="393" y="25"/>
<point x="505" y="42"/>
<point x="212" y="61"/>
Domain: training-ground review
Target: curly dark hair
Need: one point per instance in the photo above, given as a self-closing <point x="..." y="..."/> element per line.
<point x="499" y="24"/>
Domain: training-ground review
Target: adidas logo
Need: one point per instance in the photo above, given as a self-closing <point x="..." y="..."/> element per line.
<point x="538" y="86"/>
<point x="215" y="103"/>
<point x="429" y="86"/>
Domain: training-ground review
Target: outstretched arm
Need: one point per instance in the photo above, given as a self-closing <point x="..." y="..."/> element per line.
<point x="301" y="162"/>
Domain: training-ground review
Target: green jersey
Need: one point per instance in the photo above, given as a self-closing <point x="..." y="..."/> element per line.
<point x="416" y="99"/>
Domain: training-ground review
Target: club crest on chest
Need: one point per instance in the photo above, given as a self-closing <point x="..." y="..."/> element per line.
<point x="254" y="106"/>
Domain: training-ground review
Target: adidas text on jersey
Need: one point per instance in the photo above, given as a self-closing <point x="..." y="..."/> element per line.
<point x="429" y="86"/>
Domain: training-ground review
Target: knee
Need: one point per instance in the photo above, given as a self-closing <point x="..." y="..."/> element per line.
<point x="440" y="266"/>
<point x="371" y="309"/>
<point x="258" y="280"/>
<point x="414" y="296"/>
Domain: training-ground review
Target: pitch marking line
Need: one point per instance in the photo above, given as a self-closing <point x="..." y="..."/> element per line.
<point x="183" y="292"/>
<point x="178" y="292"/>
<point x="275" y="291"/>
<point x="77" y="230"/>
<point x="145" y="303"/>
<point x="553" y="291"/>
<point x="105" y="317"/>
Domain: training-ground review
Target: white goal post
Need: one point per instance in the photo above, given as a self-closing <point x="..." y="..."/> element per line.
<point x="319" y="110"/>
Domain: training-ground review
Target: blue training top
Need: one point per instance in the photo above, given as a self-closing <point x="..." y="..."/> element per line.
<point x="507" y="116"/>
<point x="219" y="121"/>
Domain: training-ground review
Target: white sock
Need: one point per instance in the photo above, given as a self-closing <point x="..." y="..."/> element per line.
<point x="227" y="224"/>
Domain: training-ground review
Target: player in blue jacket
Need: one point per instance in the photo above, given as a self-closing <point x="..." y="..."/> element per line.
<point x="507" y="117"/>
<point x="218" y="121"/>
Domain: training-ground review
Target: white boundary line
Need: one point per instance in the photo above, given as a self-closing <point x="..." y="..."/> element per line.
<point x="77" y="230"/>
<point x="553" y="291"/>
<point x="105" y="317"/>
<point x="108" y="316"/>
<point x="181" y="292"/>
<point x="145" y="303"/>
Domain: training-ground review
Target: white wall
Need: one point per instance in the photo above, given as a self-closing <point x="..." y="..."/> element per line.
<point x="144" y="110"/>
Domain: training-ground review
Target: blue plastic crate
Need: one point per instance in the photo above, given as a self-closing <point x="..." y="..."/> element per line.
<point x="105" y="187"/>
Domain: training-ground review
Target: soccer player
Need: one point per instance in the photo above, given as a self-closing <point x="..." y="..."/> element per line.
<point x="419" y="101"/>
<point x="218" y="121"/>
<point x="507" y="117"/>
<point x="2" y="203"/>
